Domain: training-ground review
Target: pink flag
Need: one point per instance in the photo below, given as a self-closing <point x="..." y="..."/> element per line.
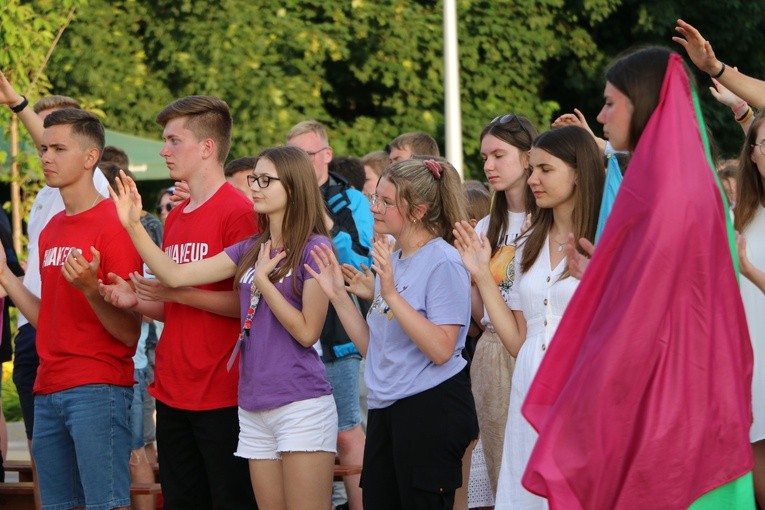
<point x="644" y="398"/>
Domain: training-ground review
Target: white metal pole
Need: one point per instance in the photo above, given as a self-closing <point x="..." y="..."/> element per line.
<point x="453" y="111"/>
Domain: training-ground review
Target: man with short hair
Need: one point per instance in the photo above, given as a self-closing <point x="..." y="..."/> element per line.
<point x="236" y="172"/>
<point x="197" y="413"/>
<point x="417" y="143"/>
<point x="81" y="438"/>
<point x="351" y="232"/>
<point x="47" y="203"/>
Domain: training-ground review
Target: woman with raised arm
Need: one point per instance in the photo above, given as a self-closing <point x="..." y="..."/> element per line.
<point x="421" y="411"/>
<point x="287" y="416"/>
<point x="644" y="399"/>
<point x="566" y="180"/>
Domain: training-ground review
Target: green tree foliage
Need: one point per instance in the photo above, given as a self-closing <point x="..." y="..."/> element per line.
<point x="371" y="70"/>
<point x="27" y="31"/>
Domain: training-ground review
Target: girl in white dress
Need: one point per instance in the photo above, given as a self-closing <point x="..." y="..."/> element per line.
<point x="566" y="177"/>
<point x="750" y="221"/>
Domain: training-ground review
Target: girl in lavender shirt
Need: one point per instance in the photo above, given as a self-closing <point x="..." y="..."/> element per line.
<point x="421" y="410"/>
<point x="287" y="416"/>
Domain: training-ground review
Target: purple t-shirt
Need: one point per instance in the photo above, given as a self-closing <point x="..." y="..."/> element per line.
<point x="274" y="369"/>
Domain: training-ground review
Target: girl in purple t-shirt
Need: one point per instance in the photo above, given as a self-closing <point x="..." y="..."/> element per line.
<point x="287" y="416"/>
<point x="421" y="411"/>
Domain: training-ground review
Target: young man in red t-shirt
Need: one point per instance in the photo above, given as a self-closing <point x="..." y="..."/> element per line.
<point x="197" y="414"/>
<point x="81" y="439"/>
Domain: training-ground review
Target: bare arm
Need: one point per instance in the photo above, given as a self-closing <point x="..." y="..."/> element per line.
<point x="27" y="116"/>
<point x="209" y="270"/>
<point x="753" y="274"/>
<point x="330" y="280"/>
<point x="25" y="301"/>
<point x="124" y="325"/>
<point x="700" y="52"/>
<point x="224" y="302"/>
<point x="476" y="253"/>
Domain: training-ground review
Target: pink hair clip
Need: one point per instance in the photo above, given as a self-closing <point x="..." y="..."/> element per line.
<point x="434" y="167"/>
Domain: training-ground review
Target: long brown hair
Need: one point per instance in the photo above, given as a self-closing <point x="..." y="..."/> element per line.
<point x="575" y="147"/>
<point x="304" y="214"/>
<point x="520" y="133"/>
<point x="749" y="188"/>
<point x="443" y="196"/>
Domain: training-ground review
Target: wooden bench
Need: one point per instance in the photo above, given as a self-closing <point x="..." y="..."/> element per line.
<point x="20" y="495"/>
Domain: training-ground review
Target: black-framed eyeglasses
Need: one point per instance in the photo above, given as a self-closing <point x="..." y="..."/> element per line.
<point x="311" y="154"/>
<point x="510" y="117"/>
<point x="377" y="201"/>
<point x="262" y="180"/>
<point x="761" y="145"/>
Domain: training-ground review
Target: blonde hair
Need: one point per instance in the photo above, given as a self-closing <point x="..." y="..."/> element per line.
<point x="442" y="195"/>
<point x="309" y="126"/>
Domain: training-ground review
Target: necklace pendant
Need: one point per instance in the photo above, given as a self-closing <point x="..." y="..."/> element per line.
<point x="560" y="247"/>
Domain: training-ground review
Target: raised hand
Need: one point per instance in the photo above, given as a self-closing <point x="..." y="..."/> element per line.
<point x="127" y="200"/>
<point x="81" y="273"/>
<point x="475" y="251"/>
<point x="330" y="276"/>
<point x="265" y="264"/>
<point x="699" y="50"/>
<point x="8" y="95"/>
<point x="362" y="284"/>
<point x="573" y="119"/>
<point x="118" y="292"/>
<point x="383" y="265"/>
<point x="724" y="95"/>
<point x="577" y="263"/>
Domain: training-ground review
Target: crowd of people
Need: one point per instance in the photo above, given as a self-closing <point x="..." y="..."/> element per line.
<point x="528" y="343"/>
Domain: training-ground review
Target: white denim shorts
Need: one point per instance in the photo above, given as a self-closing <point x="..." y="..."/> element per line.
<point x="303" y="426"/>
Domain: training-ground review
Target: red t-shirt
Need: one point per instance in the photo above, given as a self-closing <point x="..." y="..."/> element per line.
<point x="195" y="345"/>
<point x="74" y="347"/>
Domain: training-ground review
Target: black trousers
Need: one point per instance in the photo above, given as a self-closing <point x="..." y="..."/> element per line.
<point x="414" y="448"/>
<point x="197" y="462"/>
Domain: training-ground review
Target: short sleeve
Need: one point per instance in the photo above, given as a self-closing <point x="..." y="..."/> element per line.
<point x="448" y="294"/>
<point x="241" y="225"/>
<point x="237" y="251"/>
<point x="313" y="242"/>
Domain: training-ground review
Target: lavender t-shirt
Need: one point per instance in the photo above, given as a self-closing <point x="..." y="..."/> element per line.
<point x="274" y="369"/>
<point x="436" y="284"/>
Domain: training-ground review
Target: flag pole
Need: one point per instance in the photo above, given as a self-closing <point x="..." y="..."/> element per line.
<point x="453" y="113"/>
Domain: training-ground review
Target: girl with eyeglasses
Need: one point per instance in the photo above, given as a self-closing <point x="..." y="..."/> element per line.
<point x="566" y="178"/>
<point x="421" y="411"/>
<point x="287" y="416"/>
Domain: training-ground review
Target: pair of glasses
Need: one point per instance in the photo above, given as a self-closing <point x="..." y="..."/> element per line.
<point x="165" y="208"/>
<point x="377" y="201"/>
<point x="312" y="154"/>
<point x="510" y="117"/>
<point x="262" y="180"/>
<point x="761" y="145"/>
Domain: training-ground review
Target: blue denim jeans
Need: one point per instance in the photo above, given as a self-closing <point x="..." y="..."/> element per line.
<point x="136" y="409"/>
<point x="343" y="375"/>
<point x="81" y="444"/>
